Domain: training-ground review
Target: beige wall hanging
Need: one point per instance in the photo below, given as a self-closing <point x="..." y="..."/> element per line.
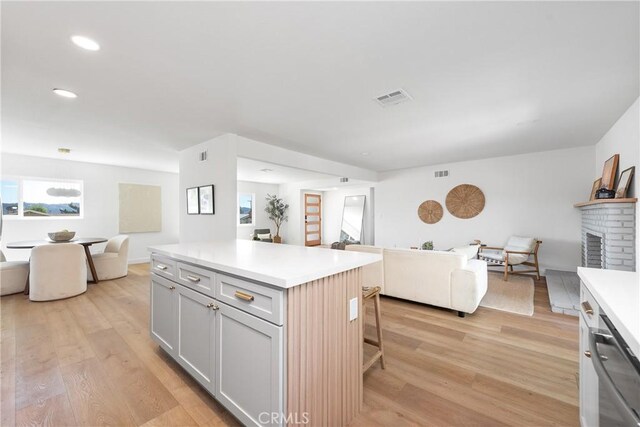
<point x="465" y="201"/>
<point x="140" y="208"/>
<point x="430" y="211"/>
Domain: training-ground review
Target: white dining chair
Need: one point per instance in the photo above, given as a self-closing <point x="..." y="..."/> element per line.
<point x="13" y="275"/>
<point x="57" y="271"/>
<point x="113" y="262"/>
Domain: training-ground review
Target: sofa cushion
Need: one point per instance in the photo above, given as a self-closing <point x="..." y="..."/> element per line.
<point x="520" y="244"/>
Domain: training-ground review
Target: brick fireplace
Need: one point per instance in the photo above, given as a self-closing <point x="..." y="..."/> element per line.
<point x="608" y="234"/>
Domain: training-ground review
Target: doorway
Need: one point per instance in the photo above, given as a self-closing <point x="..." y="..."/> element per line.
<point x="312" y="219"/>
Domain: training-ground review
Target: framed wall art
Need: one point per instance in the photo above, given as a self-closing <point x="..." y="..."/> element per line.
<point x="609" y="172"/>
<point x="596" y="186"/>
<point x="140" y="208"/>
<point x="193" y="206"/>
<point x="205" y="195"/>
<point x="625" y="181"/>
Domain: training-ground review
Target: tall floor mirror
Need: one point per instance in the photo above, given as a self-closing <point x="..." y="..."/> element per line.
<point x="352" y="220"/>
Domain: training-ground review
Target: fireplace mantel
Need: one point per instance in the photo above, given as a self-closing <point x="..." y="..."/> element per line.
<point x="600" y="201"/>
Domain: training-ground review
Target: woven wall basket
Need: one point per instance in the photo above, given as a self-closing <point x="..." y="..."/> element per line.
<point x="430" y="211"/>
<point x="465" y="201"/>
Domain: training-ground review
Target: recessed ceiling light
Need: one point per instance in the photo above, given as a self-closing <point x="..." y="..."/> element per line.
<point x="85" y="43"/>
<point x="65" y="93"/>
<point x="64" y="150"/>
<point x="364" y="153"/>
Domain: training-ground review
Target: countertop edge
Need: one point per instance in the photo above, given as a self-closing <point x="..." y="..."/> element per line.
<point x="632" y="340"/>
<point x="284" y="283"/>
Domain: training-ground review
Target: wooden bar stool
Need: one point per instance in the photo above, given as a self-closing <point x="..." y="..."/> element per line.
<point x="373" y="293"/>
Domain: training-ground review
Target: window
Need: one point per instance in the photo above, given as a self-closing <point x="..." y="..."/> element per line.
<point x="41" y="198"/>
<point x="246" y="208"/>
<point x="10" y="196"/>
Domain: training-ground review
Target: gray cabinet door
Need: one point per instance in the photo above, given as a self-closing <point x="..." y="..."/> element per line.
<point x="249" y="367"/>
<point x="163" y="313"/>
<point x="196" y="336"/>
<point x="589" y="393"/>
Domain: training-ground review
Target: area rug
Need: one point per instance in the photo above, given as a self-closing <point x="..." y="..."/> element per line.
<point x="514" y="296"/>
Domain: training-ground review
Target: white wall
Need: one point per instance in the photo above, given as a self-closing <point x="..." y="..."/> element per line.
<point x="333" y="204"/>
<point x="101" y="198"/>
<point x="623" y="138"/>
<point x="261" y="218"/>
<point x="529" y="195"/>
<point x="220" y="169"/>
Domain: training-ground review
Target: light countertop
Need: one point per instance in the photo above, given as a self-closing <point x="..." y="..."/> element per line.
<point x="618" y="293"/>
<point x="281" y="265"/>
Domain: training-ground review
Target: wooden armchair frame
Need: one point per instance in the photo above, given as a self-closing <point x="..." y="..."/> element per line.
<point x="508" y="268"/>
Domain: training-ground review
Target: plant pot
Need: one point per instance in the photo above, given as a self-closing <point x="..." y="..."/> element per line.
<point x="277" y="239"/>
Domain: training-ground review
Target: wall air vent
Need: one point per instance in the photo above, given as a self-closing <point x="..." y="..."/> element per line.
<point x="441" y="174"/>
<point x="393" y="98"/>
<point x="344" y="179"/>
<point x="203" y="156"/>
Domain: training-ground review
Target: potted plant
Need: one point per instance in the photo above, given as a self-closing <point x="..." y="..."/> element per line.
<point x="276" y="209"/>
<point x="427" y="246"/>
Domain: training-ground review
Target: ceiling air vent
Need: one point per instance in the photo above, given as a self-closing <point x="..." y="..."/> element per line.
<point x="344" y="179"/>
<point x="441" y="174"/>
<point x="393" y="98"/>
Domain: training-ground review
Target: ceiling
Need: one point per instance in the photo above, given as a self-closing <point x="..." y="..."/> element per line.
<point x="486" y="79"/>
<point x="270" y="173"/>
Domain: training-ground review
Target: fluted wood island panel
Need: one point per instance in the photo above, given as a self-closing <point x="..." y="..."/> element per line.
<point x="324" y="349"/>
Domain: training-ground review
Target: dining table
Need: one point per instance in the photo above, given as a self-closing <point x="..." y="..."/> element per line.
<point x="86" y="242"/>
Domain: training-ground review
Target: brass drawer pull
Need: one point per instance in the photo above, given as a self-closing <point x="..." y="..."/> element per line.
<point x="194" y="279"/>
<point x="161" y="266"/>
<point x="243" y="296"/>
<point x="587" y="307"/>
<point x="588" y="354"/>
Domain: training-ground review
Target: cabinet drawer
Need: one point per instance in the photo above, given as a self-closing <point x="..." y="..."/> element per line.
<point x="163" y="266"/>
<point x="259" y="300"/>
<point x="196" y="278"/>
<point x="588" y="307"/>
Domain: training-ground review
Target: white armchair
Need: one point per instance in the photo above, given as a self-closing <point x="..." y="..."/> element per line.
<point x="57" y="271"/>
<point x="517" y="251"/>
<point x="113" y="262"/>
<point x="13" y="275"/>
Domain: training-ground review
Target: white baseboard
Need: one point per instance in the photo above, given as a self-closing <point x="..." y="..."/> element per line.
<point x="139" y="261"/>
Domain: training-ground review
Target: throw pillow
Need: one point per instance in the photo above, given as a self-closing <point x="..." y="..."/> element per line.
<point x="470" y="251"/>
<point x="264" y="236"/>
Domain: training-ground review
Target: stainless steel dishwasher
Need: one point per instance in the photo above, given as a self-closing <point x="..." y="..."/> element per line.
<point x="618" y="372"/>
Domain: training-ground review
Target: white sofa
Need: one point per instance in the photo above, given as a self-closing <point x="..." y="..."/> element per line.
<point x="443" y="279"/>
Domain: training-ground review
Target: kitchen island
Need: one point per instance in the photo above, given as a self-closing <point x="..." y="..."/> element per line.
<point x="271" y="331"/>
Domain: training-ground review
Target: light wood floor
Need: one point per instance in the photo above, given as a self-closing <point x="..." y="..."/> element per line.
<point x="89" y="361"/>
